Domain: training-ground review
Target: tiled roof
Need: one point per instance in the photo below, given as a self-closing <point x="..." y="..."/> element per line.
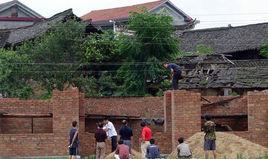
<point x="30" y="32"/>
<point x="226" y="39"/>
<point x="119" y="13"/>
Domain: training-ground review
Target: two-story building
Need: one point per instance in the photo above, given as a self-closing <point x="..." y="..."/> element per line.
<point x="114" y="17"/>
<point x="14" y="14"/>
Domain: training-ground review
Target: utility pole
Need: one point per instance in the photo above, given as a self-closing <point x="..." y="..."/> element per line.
<point x="112" y="21"/>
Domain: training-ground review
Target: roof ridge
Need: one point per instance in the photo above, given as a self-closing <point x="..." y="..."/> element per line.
<point x="128" y="5"/>
<point x="225" y="28"/>
<point x="9" y="4"/>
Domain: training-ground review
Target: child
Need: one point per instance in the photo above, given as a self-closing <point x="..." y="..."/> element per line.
<point x="183" y="150"/>
<point x="152" y="150"/>
<point x="122" y="150"/>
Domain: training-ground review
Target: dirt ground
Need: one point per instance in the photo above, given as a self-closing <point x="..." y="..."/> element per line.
<point x="227" y="145"/>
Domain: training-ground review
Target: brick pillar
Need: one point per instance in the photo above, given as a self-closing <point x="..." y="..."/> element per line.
<point x="258" y="117"/>
<point x="65" y="109"/>
<point x="185" y="114"/>
<point x="168" y="123"/>
<point x="167" y="111"/>
<point x="65" y="105"/>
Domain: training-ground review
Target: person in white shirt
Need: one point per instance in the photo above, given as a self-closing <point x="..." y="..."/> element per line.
<point x="183" y="150"/>
<point x="111" y="132"/>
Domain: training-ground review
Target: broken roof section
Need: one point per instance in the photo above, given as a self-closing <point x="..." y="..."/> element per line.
<point x="17" y="36"/>
<point x="217" y="71"/>
<point x="226" y="39"/>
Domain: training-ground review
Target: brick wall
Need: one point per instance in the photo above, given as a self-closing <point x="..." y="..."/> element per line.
<point x="186" y="114"/>
<point x="258" y="117"/>
<point x="234" y="107"/>
<point x="237" y="106"/>
<point x="136" y="107"/>
<point x="180" y="109"/>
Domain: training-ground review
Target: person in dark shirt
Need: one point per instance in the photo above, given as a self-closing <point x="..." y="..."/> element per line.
<point x="152" y="150"/>
<point x="126" y="134"/>
<point x="100" y="136"/>
<point x="175" y="74"/>
<point x="73" y="141"/>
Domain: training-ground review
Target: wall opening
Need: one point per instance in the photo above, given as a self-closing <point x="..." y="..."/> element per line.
<point x="229" y="122"/>
<point x="26" y="123"/>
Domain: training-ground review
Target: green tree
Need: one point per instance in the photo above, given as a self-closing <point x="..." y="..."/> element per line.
<point x="143" y="52"/>
<point x="264" y="51"/>
<point x="65" y="55"/>
<point x="13" y="75"/>
<point x="202" y="49"/>
<point x="56" y="55"/>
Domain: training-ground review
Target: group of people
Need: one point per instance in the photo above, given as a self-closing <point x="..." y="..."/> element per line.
<point x="122" y="147"/>
<point x="149" y="149"/>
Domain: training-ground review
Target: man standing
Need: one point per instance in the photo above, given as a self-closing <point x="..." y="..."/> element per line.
<point x="100" y="136"/>
<point x="210" y="137"/>
<point x="175" y="74"/>
<point x="111" y="132"/>
<point x="146" y="136"/>
<point x="126" y="134"/>
<point x="73" y="141"/>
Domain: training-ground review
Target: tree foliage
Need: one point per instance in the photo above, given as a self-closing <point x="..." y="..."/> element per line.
<point x="264" y="51"/>
<point x="99" y="64"/>
<point x="152" y="43"/>
<point x="58" y="54"/>
<point x="13" y="75"/>
<point x="202" y="49"/>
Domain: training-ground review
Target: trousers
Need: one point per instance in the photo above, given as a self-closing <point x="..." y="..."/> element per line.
<point x="100" y="150"/>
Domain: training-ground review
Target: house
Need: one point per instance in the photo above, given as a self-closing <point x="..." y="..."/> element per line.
<point x="107" y="18"/>
<point x="236" y="64"/>
<point x="17" y="36"/>
<point x="14" y="14"/>
<point x="242" y="42"/>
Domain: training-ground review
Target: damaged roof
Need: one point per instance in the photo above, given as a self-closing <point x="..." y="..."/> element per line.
<point x="226" y="39"/>
<point x="217" y="71"/>
<point x="30" y="32"/>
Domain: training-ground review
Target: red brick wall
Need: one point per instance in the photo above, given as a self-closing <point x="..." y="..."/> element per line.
<point x="258" y="117"/>
<point x="32" y="145"/>
<point x="25" y="106"/>
<point x="186" y="114"/>
<point x="125" y="106"/>
<point x="24" y="125"/>
<point x="141" y="107"/>
<point x="234" y="107"/>
<point x="180" y="109"/>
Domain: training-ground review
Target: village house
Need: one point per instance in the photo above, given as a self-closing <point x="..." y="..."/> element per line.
<point x="17" y="36"/>
<point x="118" y="17"/>
<point x="14" y="14"/>
<point x="236" y="63"/>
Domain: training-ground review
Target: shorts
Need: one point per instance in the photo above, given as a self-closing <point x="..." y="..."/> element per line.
<point x="73" y="151"/>
<point x="209" y="144"/>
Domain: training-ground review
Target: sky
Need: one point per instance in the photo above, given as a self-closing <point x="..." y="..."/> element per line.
<point x="210" y="13"/>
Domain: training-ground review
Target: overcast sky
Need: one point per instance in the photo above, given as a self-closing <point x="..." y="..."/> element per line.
<point x="211" y="13"/>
